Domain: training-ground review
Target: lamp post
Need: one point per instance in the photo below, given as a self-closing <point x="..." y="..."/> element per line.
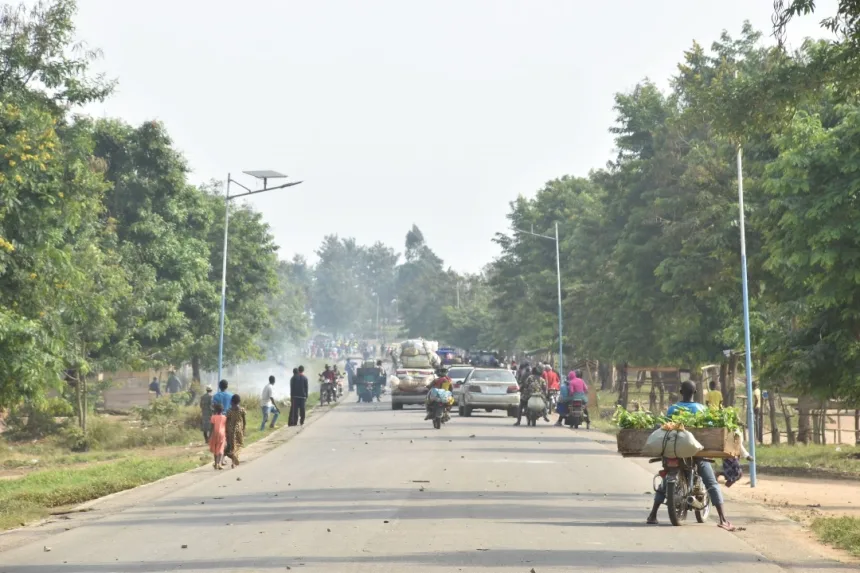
<point x="265" y="176"/>
<point x="747" y="345"/>
<point x="558" y="276"/>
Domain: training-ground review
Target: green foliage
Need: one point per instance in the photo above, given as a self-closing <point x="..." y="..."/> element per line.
<point x="709" y="418"/>
<point x="721" y="418"/>
<point x="161" y="414"/>
<point x="636" y="420"/>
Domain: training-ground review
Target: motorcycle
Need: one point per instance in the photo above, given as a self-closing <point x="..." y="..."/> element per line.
<point x="327" y="393"/>
<point x="438" y="414"/>
<point x="535" y="409"/>
<point x="365" y="391"/>
<point x="553" y="400"/>
<point x="684" y="490"/>
<point x="576" y="414"/>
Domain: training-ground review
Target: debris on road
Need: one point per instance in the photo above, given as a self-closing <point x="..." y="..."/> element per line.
<point x="184" y="547"/>
<point x="46" y="549"/>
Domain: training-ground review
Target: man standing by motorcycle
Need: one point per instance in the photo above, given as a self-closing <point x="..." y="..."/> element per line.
<point x="534" y="385"/>
<point x="706" y="471"/>
<point x="381" y="381"/>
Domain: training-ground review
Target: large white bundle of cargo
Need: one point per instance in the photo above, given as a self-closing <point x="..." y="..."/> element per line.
<point x="417" y="353"/>
<point x="409" y="382"/>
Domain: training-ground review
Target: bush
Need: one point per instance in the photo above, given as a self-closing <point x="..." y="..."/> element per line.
<point x="251" y="402"/>
<point x="192" y="418"/>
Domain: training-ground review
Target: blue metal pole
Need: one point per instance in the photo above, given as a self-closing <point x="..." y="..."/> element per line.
<point x="558" y="273"/>
<point x="224" y="278"/>
<point x="747" y="344"/>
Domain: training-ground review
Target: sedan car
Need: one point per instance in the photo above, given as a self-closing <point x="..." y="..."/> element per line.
<point x="457" y="374"/>
<point x="489" y="389"/>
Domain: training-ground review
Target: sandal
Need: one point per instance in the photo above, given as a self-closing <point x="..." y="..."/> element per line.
<point x="652" y="521"/>
<point x="727" y="525"/>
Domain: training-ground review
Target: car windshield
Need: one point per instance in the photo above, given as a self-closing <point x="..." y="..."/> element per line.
<point x="458" y="372"/>
<point x="492" y="376"/>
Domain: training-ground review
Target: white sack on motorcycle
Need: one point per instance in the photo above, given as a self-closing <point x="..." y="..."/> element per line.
<point x="672" y="444"/>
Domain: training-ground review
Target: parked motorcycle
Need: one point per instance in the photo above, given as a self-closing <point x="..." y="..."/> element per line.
<point x="684" y="490"/>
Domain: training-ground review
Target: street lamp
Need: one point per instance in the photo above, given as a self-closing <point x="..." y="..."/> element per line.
<point x="265" y="175"/>
<point x="558" y="275"/>
<point x="747" y="344"/>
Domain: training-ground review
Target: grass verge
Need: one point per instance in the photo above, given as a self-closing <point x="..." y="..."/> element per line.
<point x="841" y="460"/>
<point x="35" y="495"/>
<point x="841" y="532"/>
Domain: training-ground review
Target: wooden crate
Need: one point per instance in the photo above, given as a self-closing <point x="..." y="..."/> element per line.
<point x="717" y="442"/>
<point x="631" y="442"/>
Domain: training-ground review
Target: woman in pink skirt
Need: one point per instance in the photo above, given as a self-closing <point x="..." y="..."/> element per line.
<point x="218" y="439"/>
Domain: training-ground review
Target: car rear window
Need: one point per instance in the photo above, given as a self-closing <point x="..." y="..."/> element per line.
<point x="499" y="375"/>
<point x="458" y="372"/>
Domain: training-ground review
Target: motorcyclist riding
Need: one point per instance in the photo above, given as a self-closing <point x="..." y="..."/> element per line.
<point x="533" y="385"/>
<point x="706" y="471"/>
<point x="381" y="380"/>
<point x="577" y="389"/>
<point x="441" y="381"/>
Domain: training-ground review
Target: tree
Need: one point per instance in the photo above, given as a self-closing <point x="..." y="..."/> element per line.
<point x="59" y="279"/>
<point x="162" y="224"/>
<point x="423" y="287"/>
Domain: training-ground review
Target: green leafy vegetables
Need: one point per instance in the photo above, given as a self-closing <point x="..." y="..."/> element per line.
<point x="723" y="418"/>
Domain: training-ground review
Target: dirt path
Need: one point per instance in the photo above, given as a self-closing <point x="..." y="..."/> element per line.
<point x="802" y="498"/>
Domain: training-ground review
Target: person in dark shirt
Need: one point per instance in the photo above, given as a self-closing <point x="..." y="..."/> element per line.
<point x="298" y="397"/>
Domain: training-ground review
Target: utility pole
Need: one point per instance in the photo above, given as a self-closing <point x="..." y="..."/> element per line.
<point x="747" y="345"/>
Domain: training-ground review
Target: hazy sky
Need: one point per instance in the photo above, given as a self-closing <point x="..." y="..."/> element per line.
<point x="395" y="112"/>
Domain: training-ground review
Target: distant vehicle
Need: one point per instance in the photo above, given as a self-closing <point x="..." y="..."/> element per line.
<point x="411" y="387"/>
<point x="448" y="355"/>
<point x="457" y="374"/>
<point x="490" y="389"/>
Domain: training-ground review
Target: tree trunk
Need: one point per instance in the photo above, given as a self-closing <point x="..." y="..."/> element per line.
<point x="786" y="412"/>
<point x="83" y="383"/>
<point x="729" y="396"/>
<point x="857" y="427"/>
<point x="822" y="424"/>
<point x="803" y="423"/>
<point x="652" y="397"/>
<point x="774" y="427"/>
<point x="623" y="385"/>
<point x="604" y="371"/>
<point x="195" y="368"/>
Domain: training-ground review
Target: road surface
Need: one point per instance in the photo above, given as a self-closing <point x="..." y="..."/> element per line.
<point x="365" y="489"/>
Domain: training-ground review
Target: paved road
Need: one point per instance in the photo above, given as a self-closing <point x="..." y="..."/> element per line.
<point x="368" y="489"/>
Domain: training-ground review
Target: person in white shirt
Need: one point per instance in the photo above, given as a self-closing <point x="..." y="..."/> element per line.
<point x="268" y="400"/>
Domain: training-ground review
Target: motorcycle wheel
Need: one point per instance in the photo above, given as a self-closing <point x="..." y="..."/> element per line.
<point x="437" y="423"/>
<point x="703" y="514"/>
<point x="676" y="502"/>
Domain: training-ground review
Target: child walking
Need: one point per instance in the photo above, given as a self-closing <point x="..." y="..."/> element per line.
<point x="218" y="439"/>
<point x="235" y="429"/>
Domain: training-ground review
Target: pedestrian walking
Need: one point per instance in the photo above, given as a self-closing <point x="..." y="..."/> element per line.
<point x="206" y="413"/>
<point x="218" y="437"/>
<point x="298" y="397"/>
<point x="223" y="397"/>
<point x="268" y="404"/>
<point x="155" y="387"/>
<point x="235" y="429"/>
<point x="174" y="386"/>
<point x="759" y="418"/>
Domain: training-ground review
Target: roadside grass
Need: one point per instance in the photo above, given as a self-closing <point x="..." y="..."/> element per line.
<point x="124" y="455"/>
<point x="841" y="532"/>
<point x="35" y="495"/>
<point x="833" y="459"/>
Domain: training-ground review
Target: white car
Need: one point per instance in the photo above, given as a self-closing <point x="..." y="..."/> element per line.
<point x="457" y="374"/>
<point x="490" y="389"/>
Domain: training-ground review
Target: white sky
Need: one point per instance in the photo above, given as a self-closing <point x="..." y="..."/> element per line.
<point x="393" y="112"/>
